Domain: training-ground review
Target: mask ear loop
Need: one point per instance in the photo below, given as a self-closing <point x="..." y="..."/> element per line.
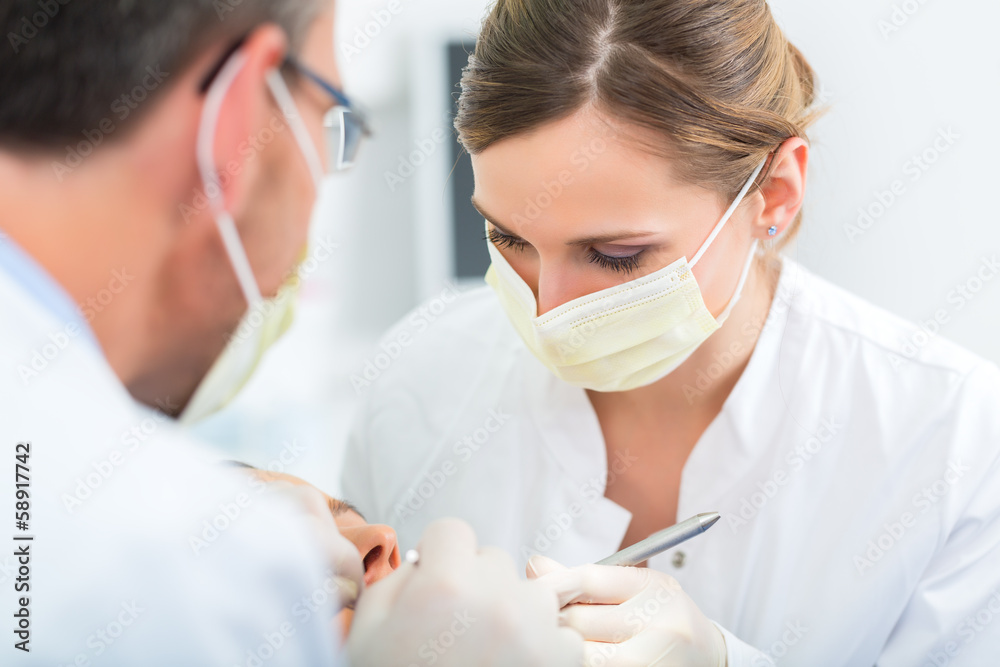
<point x="729" y="212"/>
<point x="214" y="98"/>
<point x="738" y="292"/>
<point x="291" y="113"/>
<point x="724" y="315"/>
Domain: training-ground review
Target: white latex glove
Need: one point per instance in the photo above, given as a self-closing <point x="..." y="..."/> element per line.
<point x="459" y="607"/>
<point x="631" y="616"/>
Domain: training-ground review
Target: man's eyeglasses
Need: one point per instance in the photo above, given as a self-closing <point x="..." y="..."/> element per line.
<point x="345" y="124"/>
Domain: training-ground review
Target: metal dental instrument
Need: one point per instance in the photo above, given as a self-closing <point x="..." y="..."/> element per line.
<point x="641" y="551"/>
<point x="662" y="540"/>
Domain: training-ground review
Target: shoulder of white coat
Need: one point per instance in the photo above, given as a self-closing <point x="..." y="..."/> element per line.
<point x="144" y="512"/>
<point x="133" y="508"/>
<point x="911" y="400"/>
<point x="170" y="489"/>
<point x="840" y="312"/>
<point x="174" y="513"/>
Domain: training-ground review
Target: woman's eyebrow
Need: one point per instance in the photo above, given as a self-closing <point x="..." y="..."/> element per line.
<point x="490" y="219"/>
<point x="612" y="237"/>
<point x="590" y="240"/>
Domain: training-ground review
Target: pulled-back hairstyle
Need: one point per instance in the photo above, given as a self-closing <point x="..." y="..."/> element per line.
<point x="716" y="79"/>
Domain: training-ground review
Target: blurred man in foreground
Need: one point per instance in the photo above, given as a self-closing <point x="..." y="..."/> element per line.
<point x="158" y="167"/>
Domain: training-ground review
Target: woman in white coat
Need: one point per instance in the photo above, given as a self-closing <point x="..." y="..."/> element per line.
<point x="604" y="387"/>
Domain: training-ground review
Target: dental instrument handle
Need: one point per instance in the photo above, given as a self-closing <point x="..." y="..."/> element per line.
<point x="644" y="550"/>
<point x="662" y="540"/>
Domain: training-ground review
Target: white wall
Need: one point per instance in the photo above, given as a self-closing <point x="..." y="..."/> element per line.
<point x="891" y="94"/>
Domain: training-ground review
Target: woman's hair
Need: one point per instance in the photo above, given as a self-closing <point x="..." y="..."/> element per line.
<point x="716" y="79"/>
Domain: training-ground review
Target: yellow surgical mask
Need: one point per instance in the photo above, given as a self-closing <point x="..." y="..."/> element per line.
<point x="623" y="337"/>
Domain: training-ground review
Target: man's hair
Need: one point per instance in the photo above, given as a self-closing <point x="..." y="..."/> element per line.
<point x="69" y="68"/>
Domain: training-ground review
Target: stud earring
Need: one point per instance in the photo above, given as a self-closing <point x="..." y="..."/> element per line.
<point x="772" y="230"/>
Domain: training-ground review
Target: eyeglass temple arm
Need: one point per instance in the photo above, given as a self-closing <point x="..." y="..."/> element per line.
<point x="319" y="81"/>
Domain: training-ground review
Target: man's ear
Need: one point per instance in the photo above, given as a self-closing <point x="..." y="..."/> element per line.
<point x="784" y="188"/>
<point x="246" y="111"/>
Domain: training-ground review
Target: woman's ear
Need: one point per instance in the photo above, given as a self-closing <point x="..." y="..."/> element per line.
<point x="784" y="188"/>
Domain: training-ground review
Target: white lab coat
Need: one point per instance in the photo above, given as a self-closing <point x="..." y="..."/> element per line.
<point x="855" y="464"/>
<point x="120" y="497"/>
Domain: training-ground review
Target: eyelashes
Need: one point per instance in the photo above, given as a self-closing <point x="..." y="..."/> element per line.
<point x="624" y="265"/>
<point x="501" y="240"/>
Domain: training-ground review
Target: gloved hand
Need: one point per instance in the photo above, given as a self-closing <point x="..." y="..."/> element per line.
<point x="631" y="616"/>
<point x="459" y="607"/>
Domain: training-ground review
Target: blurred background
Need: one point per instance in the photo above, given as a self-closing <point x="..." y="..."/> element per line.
<point x="900" y="207"/>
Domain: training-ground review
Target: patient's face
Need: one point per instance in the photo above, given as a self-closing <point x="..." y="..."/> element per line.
<point x="376" y="543"/>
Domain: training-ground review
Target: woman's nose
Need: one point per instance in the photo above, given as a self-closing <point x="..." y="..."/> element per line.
<point x="377" y="545"/>
<point x="552" y="289"/>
